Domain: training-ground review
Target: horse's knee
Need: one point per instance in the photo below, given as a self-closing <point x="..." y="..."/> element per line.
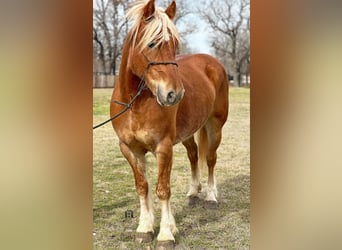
<point x="142" y="187"/>
<point x="163" y="191"/>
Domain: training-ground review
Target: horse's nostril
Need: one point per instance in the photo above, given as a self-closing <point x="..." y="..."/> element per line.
<point x="171" y="96"/>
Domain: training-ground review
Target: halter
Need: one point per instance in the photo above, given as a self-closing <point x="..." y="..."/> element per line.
<point x="141" y="87"/>
<point x="151" y="63"/>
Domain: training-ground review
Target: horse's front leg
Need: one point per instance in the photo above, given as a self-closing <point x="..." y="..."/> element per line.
<point x="146" y="220"/>
<point x="164" y="160"/>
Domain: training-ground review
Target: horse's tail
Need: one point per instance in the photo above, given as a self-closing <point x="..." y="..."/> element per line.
<point x="202" y="140"/>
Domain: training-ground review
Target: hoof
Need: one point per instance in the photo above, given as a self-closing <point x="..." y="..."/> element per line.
<point x="144" y="237"/>
<point x="165" y="245"/>
<point x="211" y="204"/>
<point x="193" y="201"/>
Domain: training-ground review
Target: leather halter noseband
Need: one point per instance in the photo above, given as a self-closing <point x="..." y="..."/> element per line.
<point x="151" y="63"/>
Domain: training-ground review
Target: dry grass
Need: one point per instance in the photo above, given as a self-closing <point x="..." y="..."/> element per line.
<point x="114" y="191"/>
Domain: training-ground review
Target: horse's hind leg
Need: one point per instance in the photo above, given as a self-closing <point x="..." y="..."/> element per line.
<point x="146" y="220"/>
<point x="214" y="133"/>
<point x="195" y="183"/>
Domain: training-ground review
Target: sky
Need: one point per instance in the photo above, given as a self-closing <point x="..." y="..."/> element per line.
<point x="198" y="41"/>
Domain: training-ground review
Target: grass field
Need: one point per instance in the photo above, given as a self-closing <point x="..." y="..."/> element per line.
<point x="113" y="187"/>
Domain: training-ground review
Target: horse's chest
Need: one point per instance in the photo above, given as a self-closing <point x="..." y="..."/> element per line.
<point x="140" y="137"/>
<point x="146" y="128"/>
<point x="144" y="136"/>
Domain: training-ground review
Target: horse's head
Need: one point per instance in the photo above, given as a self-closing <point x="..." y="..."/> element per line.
<point x="154" y="41"/>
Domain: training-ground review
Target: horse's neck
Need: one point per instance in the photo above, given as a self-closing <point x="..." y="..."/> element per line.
<point x="128" y="82"/>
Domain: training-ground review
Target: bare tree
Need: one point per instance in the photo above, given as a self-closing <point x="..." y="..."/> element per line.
<point x="100" y="51"/>
<point x="110" y="29"/>
<point x="228" y="20"/>
<point x="244" y="52"/>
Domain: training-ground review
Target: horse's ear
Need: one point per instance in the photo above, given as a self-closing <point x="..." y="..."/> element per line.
<point x="171" y="10"/>
<point x="149" y="9"/>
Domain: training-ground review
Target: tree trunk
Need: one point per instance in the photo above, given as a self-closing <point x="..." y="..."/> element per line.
<point x="235" y="78"/>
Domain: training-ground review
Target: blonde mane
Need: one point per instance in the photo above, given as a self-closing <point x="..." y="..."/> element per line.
<point x="158" y="27"/>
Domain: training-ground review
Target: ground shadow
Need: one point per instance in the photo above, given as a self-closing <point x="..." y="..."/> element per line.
<point x="234" y="199"/>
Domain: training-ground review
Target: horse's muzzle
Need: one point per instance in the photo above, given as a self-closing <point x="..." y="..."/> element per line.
<point x="169" y="98"/>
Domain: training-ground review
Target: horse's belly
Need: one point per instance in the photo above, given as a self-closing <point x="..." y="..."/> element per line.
<point x="188" y="125"/>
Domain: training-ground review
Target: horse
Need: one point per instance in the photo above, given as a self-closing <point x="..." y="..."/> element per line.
<point x="180" y="98"/>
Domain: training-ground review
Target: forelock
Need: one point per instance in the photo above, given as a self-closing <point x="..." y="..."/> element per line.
<point x="158" y="28"/>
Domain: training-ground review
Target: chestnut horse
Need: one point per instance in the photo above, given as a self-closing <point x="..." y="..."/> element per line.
<point x="180" y="96"/>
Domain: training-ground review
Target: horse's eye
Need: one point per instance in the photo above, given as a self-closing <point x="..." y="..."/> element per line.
<point x="151" y="45"/>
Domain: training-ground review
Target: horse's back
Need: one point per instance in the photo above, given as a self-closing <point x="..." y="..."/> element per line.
<point x="200" y="63"/>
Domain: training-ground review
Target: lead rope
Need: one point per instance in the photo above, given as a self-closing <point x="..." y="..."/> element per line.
<point x="127" y="106"/>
